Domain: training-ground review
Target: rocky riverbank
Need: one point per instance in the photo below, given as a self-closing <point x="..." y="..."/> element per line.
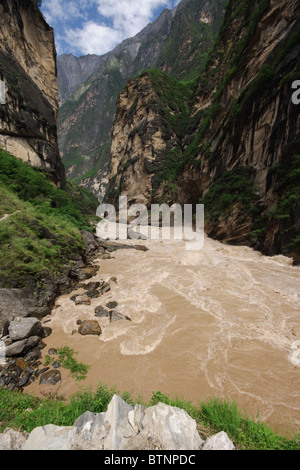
<point x="22" y="313"/>
<point x="121" y="427"/>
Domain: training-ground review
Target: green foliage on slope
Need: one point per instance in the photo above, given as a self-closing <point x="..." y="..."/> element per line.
<point x="39" y="224"/>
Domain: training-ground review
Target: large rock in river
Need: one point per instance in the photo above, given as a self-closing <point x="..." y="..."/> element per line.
<point x="90" y="327"/>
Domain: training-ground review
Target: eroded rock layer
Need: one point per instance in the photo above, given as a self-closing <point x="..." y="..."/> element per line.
<point x="29" y="104"/>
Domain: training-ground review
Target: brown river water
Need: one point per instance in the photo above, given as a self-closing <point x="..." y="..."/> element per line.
<point x="222" y="322"/>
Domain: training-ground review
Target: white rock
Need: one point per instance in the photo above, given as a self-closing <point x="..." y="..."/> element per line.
<point x="219" y="441"/>
<point x="171" y="428"/>
<point x="116" y="418"/>
<point x="12" y="440"/>
<point x="51" y="437"/>
<point x="22" y="328"/>
<point x="92" y="429"/>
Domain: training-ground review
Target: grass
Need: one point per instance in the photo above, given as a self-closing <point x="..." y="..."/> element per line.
<point x="33" y="186"/>
<point x="287" y="179"/>
<point x="230" y="188"/>
<point x="26" y="412"/>
<point x="43" y="224"/>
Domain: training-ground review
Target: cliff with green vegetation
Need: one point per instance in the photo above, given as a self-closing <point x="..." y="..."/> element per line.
<point x="43" y="216"/>
<point x="228" y="139"/>
<point x="89" y="86"/>
<point x="29" y="105"/>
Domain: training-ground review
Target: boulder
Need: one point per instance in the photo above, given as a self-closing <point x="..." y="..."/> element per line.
<point x="105" y="287"/>
<point x="219" y="441"/>
<point x="87" y="273"/>
<point x="51" y="437"/>
<point x="90" y="327"/>
<point x="20" y="348"/>
<point x="64" y="284"/>
<point x="91" y="285"/>
<point x="124" y="427"/>
<point x="21" y="328"/>
<point x="82" y="300"/>
<point x="12" y="440"/>
<point x="25" y="376"/>
<point x="15" y="303"/>
<point x="92" y="429"/>
<point x="170" y="428"/>
<point x="92" y="243"/>
<point x="100" y="312"/>
<point x="51" y="377"/>
<point x="116" y="316"/>
<point x="112" y="304"/>
<point x="93" y="293"/>
<point x="116" y="418"/>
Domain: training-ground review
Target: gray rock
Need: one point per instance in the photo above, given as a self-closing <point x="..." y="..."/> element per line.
<point x="116" y="418"/>
<point x="51" y="377"/>
<point x="124" y="427"/>
<point x="92" y="429"/>
<point x="219" y="441"/>
<point x="105" y="287"/>
<point x="93" y="293"/>
<point x="20" y="348"/>
<point x="112" y="304"/>
<point x="63" y="284"/>
<point x="21" y="328"/>
<point x="15" y="303"/>
<point x="12" y="440"/>
<point x="51" y="437"/>
<point x="90" y="327"/>
<point x="91" y="242"/>
<point x="82" y="300"/>
<point x="100" y="312"/>
<point x="170" y="428"/>
<point x="136" y="416"/>
<point x="91" y="285"/>
<point x="24" y="378"/>
<point x="116" y="316"/>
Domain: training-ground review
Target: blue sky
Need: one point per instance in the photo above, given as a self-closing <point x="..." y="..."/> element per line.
<point x="96" y="26"/>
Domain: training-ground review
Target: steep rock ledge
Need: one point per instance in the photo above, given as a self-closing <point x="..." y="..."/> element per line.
<point x="142" y="136"/>
<point x="29" y="105"/>
<point x="233" y="136"/>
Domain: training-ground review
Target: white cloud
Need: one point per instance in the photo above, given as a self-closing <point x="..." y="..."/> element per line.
<point x="93" y="38"/>
<point x="58" y="11"/>
<point x="130" y="16"/>
<point x="97" y="26"/>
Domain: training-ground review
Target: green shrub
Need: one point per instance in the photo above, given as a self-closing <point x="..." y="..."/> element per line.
<point x="65" y="358"/>
<point x="41" y="224"/>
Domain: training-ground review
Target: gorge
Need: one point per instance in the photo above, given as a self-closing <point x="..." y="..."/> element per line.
<point x="198" y="108"/>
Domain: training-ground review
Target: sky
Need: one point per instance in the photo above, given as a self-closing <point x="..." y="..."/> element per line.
<point x="84" y="27"/>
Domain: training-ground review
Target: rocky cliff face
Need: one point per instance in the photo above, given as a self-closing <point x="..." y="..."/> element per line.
<point x="86" y="119"/>
<point x="147" y="133"/>
<point x="237" y="150"/>
<point x="29" y="109"/>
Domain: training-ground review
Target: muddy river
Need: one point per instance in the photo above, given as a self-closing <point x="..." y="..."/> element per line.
<point x="222" y="321"/>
